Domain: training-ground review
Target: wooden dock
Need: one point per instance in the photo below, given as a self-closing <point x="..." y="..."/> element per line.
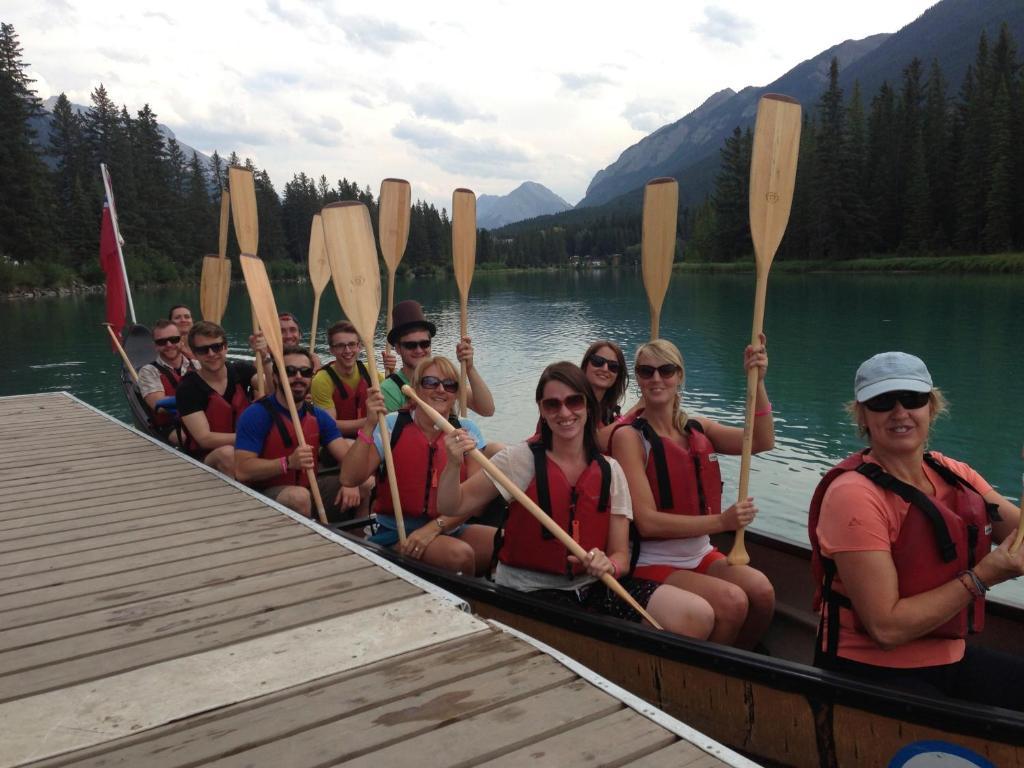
<point x="154" y="613"/>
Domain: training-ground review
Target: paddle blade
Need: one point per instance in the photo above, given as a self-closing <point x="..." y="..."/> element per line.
<point x="243" y="209"/>
<point x="225" y="216"/>
<point x="464" y="238"/>
<point x="216" y="278"/>
<point x="319" y="269"/>
<point x="393" y="214"/>
<point x="263" y="305"/>
<point x="352" y="254"/>
<point x="658" y="246"/>
<point x="773" y="173"/>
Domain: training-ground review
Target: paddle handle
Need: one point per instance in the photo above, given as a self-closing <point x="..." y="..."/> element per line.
<point x="261" y="384"/>
<point x="312" y="325"/>
<point x="385" y="438"/>
<point x="388" y="319"/>
<point x="531" y="506"/>
<point x="738" y="554"/>
<point x="655" y="321"/>
<point x="124" y="355"/>
<point x="299" y="435"/>
<point x="463" y="368"/>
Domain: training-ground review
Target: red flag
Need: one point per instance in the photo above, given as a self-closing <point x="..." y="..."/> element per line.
<point x="117" y="301"/>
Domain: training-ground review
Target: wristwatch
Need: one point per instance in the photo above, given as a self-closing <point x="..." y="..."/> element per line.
<point x="440" y="525"/>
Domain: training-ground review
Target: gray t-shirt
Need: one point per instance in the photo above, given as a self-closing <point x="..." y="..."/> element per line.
<point x="516" y="461"/>
<point x="149" y="376"/>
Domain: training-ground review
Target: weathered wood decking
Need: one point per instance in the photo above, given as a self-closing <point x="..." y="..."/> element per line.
<point x="154" y="614"/>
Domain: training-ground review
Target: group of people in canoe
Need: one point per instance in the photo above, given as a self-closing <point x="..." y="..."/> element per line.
<point x="903" y="538"/>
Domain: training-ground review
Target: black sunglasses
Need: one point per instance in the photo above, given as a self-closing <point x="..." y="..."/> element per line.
<point x="665" y="371"/>
<point x="432" y="382"/>
<point x="411" y="345"/>
<point x="552" y="406"/>
<point x="305" y="372"/>
<point x="203" y="349"/>
<point x="600" y="362"/>
<point x="167" y="340"/>
<point x="887" y="401"/>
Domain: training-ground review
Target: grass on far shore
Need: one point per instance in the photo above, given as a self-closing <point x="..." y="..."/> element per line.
<point x="1000" y="263"/>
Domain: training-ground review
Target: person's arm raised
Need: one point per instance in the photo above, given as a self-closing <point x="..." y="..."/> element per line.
<point x="457" y="498"/>
<point x="729" y="440"/>
<point x="480" y="398"/>
<point x="362" y="458"/>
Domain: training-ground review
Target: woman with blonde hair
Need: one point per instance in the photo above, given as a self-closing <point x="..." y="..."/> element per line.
<point x="671" y="464"/>
<point x="436" y="535"/>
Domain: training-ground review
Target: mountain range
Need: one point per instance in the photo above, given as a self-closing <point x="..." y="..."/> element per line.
<point x="526" y="201"/>
<point x="688" y="148"/>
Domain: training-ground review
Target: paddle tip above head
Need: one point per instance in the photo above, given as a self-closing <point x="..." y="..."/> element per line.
<point x="343" y="204"/>
<point x="662" y="180"/>
<point x="780" y="97"/>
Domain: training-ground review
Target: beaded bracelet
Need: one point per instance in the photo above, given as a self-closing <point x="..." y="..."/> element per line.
<point x="364" y="437"/>
<point x="764" y="411"/>
<point x="284" y="466"/>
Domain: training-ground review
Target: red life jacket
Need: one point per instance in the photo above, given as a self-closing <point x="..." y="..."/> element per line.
<point x="935" y="544"/>
<point x="349" y="405"/>
<point x="170" y="379"/>
<point x="685" y="481"/>
<point x="582" y="510"/>
<point x="222" y="412"/>
<point x="418" y="464"/>
<point x="280" y="442"/>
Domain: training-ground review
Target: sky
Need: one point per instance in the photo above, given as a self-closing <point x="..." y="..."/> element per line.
<point x="483" y="95"/>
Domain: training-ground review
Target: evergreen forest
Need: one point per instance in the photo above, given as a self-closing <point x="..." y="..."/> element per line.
<point x="921" y="168"/>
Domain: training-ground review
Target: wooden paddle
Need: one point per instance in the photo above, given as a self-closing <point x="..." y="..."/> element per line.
<point x="124" y="355"/>
<point x="319" y="273"/>
<point x="464" y="258"/>
<point x="393" y="212"/>
<point x="263" y="304"/>
<point x="352" y="255"/>
<point x="216" y="275"/>
<point x="658" y="244"/>
<point x="247" y="233"/>
<point x="222" y="249"/>
<point x="531" y="506"/>
<point x="772" y="178"/>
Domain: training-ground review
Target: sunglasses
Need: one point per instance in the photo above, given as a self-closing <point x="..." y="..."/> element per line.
<point x="305" y="372"/>
<point x="346" y="345"/>
<point x="204" y="349"/>
<point x="665" y="371"/>
<point x="600" y="362"/>
<point x="409" y="346"/>
<point x="432" y="382"/>
<point x="167" y="340"/>
<point x="887" y="401"/>
<point x="551" y="406"/>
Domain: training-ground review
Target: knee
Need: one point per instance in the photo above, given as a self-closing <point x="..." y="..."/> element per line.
<point x="682" y="612"/>
<point x="731" y="605"/>
<point x="223" y="460"/>
<point x="460" y="558"/>
<point x="761" y="593"/>
<point x="296" y="498"/>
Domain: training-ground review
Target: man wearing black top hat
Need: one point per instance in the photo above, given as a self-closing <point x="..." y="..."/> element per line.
<point x="411" y="335"/>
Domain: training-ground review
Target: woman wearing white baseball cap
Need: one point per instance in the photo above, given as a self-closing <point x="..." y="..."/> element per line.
<point x="902" y="549"/>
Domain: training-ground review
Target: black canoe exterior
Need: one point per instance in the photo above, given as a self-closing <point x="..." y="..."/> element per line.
<point x="138" y="345"/>
<point x="775" y="710"/>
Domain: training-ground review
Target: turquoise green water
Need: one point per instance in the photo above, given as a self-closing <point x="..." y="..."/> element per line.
<point x="820" y="327"/>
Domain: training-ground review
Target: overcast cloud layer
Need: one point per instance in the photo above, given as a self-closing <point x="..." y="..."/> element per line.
<point x="482" y="95"/>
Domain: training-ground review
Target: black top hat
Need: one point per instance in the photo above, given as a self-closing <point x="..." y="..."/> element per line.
<point x="408" y="316"/>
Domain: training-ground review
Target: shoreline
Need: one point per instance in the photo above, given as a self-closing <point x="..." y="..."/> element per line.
<point x="994" y="264"/>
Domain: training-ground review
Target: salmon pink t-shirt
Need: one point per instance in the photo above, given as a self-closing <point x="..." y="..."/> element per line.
<point x="858" y="516"/>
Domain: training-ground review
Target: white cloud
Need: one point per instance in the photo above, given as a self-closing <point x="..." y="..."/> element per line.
<point x="649" y="114"/>
<point x="723" y="26"/>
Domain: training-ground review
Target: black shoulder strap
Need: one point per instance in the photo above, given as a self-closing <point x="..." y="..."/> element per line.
<point x="540" y="473"/>
<point x="337" y="381"/>
<point x="364" y="372"/>
<point x="277" y="421"/>
<point x="454" y="420"/>
<point x="660" y="465"/>
<point x="403" y="420"/>
<point x="912" y="495"/>
<point x="604" y="500"/>
<point x="692" y="425"/>
<point x="397" y="379"/>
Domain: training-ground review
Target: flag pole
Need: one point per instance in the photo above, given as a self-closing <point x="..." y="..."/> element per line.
<point x="109" y="190"/>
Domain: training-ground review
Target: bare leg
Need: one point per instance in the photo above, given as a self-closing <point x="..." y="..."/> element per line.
<point x="451" y="554"/>
<point x="681" y="612"/>
<point x="760" y="597"/>
<point x="481" y="539"/>
<point x="223" y="460"/>
<point x="297" y="498"/>
<point x="728" y="601"/>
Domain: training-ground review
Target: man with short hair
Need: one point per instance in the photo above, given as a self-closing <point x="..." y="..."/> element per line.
<point x="211" y="399"/>
<point x="340" y="387"/>
<point x="291" y="335"/>
<point x="181" y="316"/>
<point x="411" y="335"/>
<point x="160" y="378"/>
<point x="268" y="456"/>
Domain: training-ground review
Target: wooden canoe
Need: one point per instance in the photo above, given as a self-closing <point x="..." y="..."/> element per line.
<point x="777" y="709"/>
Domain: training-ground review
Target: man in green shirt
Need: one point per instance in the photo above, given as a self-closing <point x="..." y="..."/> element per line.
<point x="411" y="334"/>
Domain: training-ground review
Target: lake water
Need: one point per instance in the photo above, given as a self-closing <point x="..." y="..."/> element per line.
<point x="820" y="327"/>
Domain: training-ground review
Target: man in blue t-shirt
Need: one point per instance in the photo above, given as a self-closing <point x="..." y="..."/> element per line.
<point x="269" y="458"/>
